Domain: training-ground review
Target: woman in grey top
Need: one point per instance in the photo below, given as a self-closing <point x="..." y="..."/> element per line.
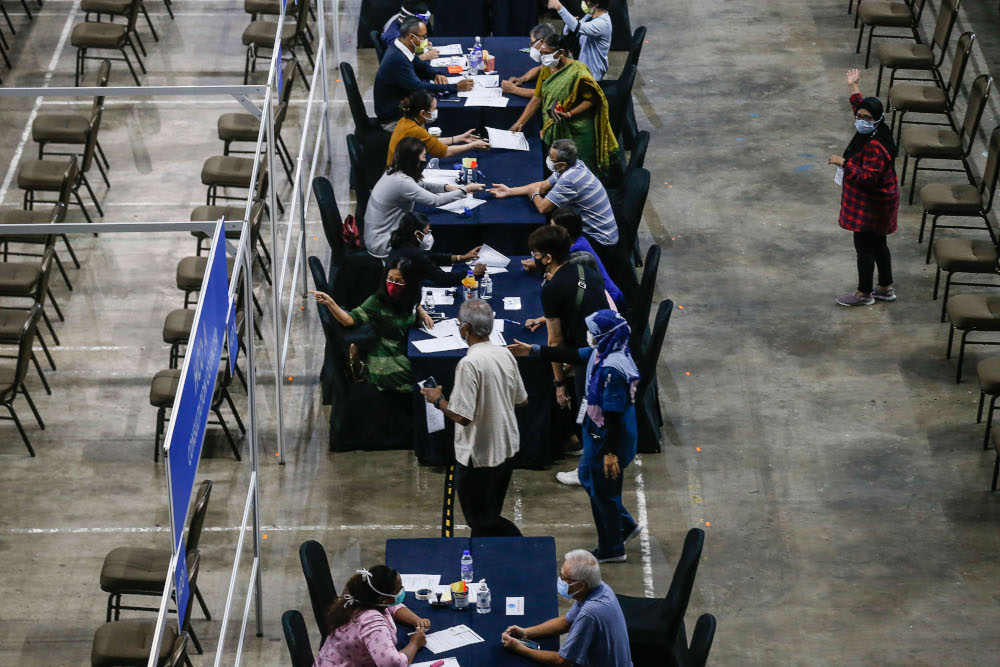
<point x="399" y="189"/>
<point x="595" y="33"/>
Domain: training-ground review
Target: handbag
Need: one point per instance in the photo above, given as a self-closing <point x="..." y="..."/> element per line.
<point x="350" y="234"/>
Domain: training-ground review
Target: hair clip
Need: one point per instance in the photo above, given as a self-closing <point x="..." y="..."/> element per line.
<point x="348" y="599"/>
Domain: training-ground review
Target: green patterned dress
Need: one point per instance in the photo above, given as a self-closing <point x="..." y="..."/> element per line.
<point x="388" y="365"/>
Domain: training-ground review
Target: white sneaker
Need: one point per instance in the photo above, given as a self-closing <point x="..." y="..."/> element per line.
<point x="570" y="478"/>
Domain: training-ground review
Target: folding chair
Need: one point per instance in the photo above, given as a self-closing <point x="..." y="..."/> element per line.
<point x="161" y="396"/>
<point x="107" y="37"/>
<point x="229" y="171"/>
<point x="919" y="56"/>
<point x="297" y="638"/>
<point x="637" y="156"/>
<point x="971" y="313"/>
<point x="319" y="581"/>
<point x="333" y="224"/>
<point x="379" y="46"/>
<point x="629" y="214"/>
<point x="30" y="280"/>
<point x="55" y="215"/>
<point x="647" y="400"/>
<point x="362" y="187"/>
<point x="882" y="14"/>
<point x="118" y="8"/>
<point x="259" y="35"/>
<point x="640" y="308"/>
<point x="12" y="378"/>
<point x="696" y="655"/>
<point x="947" y="144"/>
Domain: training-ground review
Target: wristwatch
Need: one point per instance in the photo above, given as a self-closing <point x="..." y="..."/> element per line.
<point x="559" y="383"/>
<point x="437" y="402"/>
<point x="535" y="194"/>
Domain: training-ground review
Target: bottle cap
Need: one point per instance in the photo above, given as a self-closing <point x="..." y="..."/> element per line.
<point x="474" y="163"/>
<point x="466" y="552"/>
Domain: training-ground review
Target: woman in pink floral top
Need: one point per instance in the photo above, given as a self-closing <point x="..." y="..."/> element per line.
<point x="362" y="623"/>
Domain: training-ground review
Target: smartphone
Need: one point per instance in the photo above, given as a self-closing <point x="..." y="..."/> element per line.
<point x="530" y="644"/>
<point x="430" y="383"/>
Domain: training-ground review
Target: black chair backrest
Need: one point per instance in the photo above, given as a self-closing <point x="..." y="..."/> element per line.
<point x="638" y="157"/>
<point x="701" y="641"/>
<point x="198" y="515"/>
<point x="41" y="292"/>
<point x="963" y="51"/>
<point x="621" y="28"/>
<point x="91" y="146"/>
<point x="643" y="302"/>
<point x="288" y="74"/>
<point x="319" y="280"/>
<point x="333" y="224"/>
<point x="103" y="73"/>
<point x="379" y="46"/>
<point x="992" y="169"/>
<point x="301" y="15"/>
<point x="978" y="96"/>
<point x="24" y="343"/>
<point x="357" y="279"/>
<point x="635" y="50"/>
<point x="362" y="122"/>
<point x="178" y="653"/>
<point x="623" y="93"/>
<point x="362" y="188"/>
<point x="947" y="16"/>
<point x="316" y="569"/>
<point x="647" y="362"/>
<point x="193" y="564"/>
<point x="680" y="586"/>
<point x="133" y="14"/>
<point x="297" y="639"/>
<point x="633" y="202"/>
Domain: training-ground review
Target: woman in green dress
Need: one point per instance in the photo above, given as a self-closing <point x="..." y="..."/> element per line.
<point x="573" y="107"/>
<point x="391" y="312"/>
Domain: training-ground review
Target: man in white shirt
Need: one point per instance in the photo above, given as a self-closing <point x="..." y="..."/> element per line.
<point x="488" y="387"/>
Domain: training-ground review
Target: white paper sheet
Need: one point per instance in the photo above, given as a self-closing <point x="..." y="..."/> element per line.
<point x="448" y="662"/>
<point x="452" y="638"/>
<point x="440" y="344"/>
<point x="440" y="175"/>
<point x="491" y="258"/>
<point x="498" y="325"/>
<point x="443" y="296"/>
<point x="512" y="303"/>
<point x="448" y="50"/>
<point x="443" y="329"/>
<point x="484" y="80"/>
<point x="435" y="423"/>
<point x="414" y="582"/>
<point x="493" y="270"/>
<point x="515" y="606"/>
<point x="459" y="205"/>
<point x="496" y="337"/>
<point x="486" y="101"/>
<point x="838" y="178"/>
<point x="478" y="91"/>
<point x="450" y="61"/>
<point x="514" y="141"/>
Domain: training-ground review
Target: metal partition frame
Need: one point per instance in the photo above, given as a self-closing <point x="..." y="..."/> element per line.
<point x="242" y="271"/>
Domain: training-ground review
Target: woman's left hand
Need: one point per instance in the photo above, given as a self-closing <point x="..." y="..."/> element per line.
<point x="611" y="469"/>
<point x="425" y="319"/>
<point x="422" y="624"/>
<point x="837" y="160"/>
<point x="472" y="254"/>
<point x="565" y="115"/>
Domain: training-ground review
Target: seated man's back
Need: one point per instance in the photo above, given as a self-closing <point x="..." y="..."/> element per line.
<point x="597" y="636"/>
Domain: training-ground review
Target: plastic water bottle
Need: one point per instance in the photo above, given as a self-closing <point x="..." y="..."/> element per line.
<point x="471" y="292"/>
<point x="483" y="599"/>
<point x="466" y="567"/>
<point x="429" y="302"/>
<point x="433" y="163"/>
<point x="485" y="287"/>
<point x="477" y="54"/>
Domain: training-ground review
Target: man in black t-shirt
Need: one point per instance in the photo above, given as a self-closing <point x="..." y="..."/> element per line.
<point x="570" y="294"/>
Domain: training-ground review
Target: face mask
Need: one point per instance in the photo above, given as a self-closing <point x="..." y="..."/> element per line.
<point x="563" y="588"/>
<point x="864" y="126"/>
<point x="421" y="46"/>
<point x="550" y="164"/>
<point x="535" y="55"/>
<point x="427" y="242"/>
<point x="421" y="165"/>
<point x="591" y="341"/>
<point x="549" y="59"/>
<point x="586" y="8"/>
<point x="400" y="596"/>
<point x="432" y="116"/>
<point x="394" y="290"/>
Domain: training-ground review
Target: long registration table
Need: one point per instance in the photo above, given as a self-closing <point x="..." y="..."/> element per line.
<point x="504" y="224"/>
<point x="534" y="421"/>
<point x="512" y="566"/>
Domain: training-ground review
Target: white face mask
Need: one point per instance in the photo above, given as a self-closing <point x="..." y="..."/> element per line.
<point x="591" y="341"/>
<point x="535" y="55"/>
<point x="549" y="59"/>
<point x="551" y="165"/>
<point x="427" y="242"/>
<point x="432" y="116"/>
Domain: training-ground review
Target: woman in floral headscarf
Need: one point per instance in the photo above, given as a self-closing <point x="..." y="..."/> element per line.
<point x="609" y="425"/>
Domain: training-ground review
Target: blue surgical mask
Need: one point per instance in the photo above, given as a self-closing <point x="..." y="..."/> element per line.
<point x="563" y="588"/>
<point x="400" y="596"/>
<point x="864" y="126"/>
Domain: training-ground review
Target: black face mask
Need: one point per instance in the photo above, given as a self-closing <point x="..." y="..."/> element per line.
<point x="421" y="165"/>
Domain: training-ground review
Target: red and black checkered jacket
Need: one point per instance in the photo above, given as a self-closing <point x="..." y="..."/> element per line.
<point x="870" y="198"/>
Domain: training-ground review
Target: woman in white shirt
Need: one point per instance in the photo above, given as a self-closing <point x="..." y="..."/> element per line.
<point x="594" y="30"/>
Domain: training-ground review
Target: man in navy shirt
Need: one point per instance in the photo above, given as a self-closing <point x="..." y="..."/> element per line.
<point x="401" y="73"/>
<point x="597" y="637"/>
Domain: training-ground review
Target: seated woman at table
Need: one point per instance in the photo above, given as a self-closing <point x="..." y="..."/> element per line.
<point x="420" y="108"/>
<point x="511" y="85"/>
<point x="399" y="190"/>
<point x="391" y="312"/>
<point x="361" y="623"/>
<point x="573" y="107"/>
<point x="414" y="241"/>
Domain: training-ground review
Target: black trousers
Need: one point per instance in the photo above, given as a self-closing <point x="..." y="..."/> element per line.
<point x="872" y="250"/>
<point x="481" y="491"/>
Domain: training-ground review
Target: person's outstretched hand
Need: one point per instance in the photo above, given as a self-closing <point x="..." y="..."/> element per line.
<point x="853" y="77"/>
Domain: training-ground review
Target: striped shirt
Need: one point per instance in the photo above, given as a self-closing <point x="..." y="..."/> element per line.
<point x="577" y="186"/>
<point x="597" y="633"/>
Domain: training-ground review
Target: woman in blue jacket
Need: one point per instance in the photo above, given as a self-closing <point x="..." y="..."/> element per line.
<point x="609" y="424"/>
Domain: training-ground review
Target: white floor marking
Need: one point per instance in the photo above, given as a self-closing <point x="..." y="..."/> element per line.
<point x="640" y="501"/>
<point x="50" y="70"/>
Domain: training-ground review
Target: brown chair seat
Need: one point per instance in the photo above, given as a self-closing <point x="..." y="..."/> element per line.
<point x="238" y="127"/>
<point x="60" y="128"/>
<point x="18" y="278"/>
<point x="261" y="33"/>
<point x="995" y="437"/>
<point x="8" y="381"/>
<point x="92" y="35"/>
<point x="227" y="171"/>
<point x="164" y="388"/>
<point x="920" y="99"/>
<point x="975" y="311"/>
<point x="271" y="7"/>
<point x="177" y="326"/>
<point x="191" y="270"/>
<point x="12" y="321"/>
<point x="129" y="642"/>
<point x="929" y="142"/>
<point x="18" y="216"/>
<point x="213" y="213"/>
<point x="135" y="569"/>
<point x="906" y="56"/>
<point x="965" y="255"/>
<point x="888" y="14"/>
<point x="117" y="7"/>
<point x="989" y="378"/>
<point x="951" y="199"/>
<point x="46" y="175"/>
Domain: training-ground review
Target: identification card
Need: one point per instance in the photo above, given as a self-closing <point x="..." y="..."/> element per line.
<point x="838" y="178"/>
<point x="582" y="412"/>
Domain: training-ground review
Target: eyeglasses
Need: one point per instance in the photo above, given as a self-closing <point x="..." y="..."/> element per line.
<point x="394" y="281"/>
<point x="536" y="255"/>
<point x="860" y="117"/>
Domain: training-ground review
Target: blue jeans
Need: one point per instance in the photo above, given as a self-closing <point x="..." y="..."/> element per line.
<point x="613" y="521"/>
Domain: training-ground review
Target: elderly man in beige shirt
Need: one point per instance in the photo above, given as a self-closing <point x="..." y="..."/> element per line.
<point x="488" y="387"/>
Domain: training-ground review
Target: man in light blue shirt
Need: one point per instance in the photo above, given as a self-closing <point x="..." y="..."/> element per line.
<point x="594" y="30"/>
<point x="597" y="635"/>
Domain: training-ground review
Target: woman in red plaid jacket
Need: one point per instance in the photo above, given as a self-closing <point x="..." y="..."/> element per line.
<point x="870" y="197"/>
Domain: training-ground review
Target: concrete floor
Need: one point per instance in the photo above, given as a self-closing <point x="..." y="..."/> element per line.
<point x="827" y="452"/>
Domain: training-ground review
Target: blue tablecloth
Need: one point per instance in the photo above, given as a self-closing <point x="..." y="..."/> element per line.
<point x="512" y="566"/>
<point x="454" y="117"/>
<point x="534" y="421"/>
<point x="505" y="223"/>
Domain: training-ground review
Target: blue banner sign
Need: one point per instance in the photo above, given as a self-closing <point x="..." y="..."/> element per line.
<point x="182" y="586"/>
